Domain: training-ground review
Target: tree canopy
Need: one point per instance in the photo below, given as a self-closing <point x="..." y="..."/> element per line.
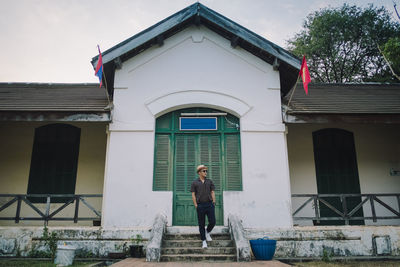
<point x="341" y="44"/>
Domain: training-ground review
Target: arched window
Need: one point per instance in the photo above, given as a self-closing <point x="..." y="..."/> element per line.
<point x="54" y="161"/>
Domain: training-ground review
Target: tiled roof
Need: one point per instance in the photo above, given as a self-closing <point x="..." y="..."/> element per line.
<point x="368" y="98"/>
<point x="52" y="97"/>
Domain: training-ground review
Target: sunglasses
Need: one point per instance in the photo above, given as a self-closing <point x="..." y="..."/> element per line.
<point x="204" y="171"/>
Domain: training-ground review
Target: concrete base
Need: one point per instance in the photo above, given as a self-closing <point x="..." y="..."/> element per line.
<point x="332" y="241"/>
<point x="295" y="243"/>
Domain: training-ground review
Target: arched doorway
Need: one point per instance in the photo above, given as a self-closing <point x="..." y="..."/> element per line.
<point x="186" y="138"/>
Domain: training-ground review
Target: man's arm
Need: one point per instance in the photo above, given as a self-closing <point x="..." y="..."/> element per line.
<point x="194" y="199"/>
<point x="213" y="196"/>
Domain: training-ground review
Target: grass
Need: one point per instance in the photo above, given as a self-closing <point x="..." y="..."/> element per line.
<point x="348" y="264"/>
<point x="38" y="263"/>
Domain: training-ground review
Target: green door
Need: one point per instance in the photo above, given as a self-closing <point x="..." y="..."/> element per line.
<point x="178" y="152"/>
<point x="192" y="150"/>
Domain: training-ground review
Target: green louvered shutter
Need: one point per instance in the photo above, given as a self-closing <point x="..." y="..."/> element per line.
<point x="210" y="156"/>
<point x="185" y="164"/>
<point x="233" y="169"/>
<point x="185" y="173"/>
<point x="162" y="163"/>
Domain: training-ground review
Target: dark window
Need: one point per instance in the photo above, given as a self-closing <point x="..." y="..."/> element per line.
<point x="54" y="161"/>
<point x="337" y="172"/>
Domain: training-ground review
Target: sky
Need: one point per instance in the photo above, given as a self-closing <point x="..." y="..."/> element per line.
<point x="53" y="41"/>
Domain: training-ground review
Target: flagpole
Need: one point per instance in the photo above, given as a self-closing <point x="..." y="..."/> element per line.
<point x="293" y="89"/>
<point x="105" y="79"/>
<point x="105" y="83"/>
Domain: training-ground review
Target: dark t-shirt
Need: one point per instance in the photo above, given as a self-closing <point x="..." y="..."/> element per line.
<point x="202" y="190"/>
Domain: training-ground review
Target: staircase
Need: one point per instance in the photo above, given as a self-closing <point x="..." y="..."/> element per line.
<point x="184" y="244"/>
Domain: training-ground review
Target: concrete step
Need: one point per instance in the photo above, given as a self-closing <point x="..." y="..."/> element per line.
<point x="198" y="250"/>
<point x="195" y="230"/>
<point x="182" y="243"/>
<point x="195" y="236"/>
<point x="198" y="257"/>
<point x="196" y="243"/>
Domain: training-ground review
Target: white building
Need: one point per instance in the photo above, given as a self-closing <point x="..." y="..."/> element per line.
<point x="197" y="88"/>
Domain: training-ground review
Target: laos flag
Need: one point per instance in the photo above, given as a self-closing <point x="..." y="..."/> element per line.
<point x="99" y="68"/>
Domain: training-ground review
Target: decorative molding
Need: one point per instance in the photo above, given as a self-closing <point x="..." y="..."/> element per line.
<point x="197" y="98"/>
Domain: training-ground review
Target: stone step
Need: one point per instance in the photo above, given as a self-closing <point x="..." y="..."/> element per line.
<point x="196" y="243"/>
<point x="198" y="257"/>
<point x="195" y="230"/>
<point x="198" y="250"/>
<point x="195" y="236"/>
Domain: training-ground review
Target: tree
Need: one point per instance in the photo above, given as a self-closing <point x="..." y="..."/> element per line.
<point x="391" y="54"/>
<point x="341" y="44"/>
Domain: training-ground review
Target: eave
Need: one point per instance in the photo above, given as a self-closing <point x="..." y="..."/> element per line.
<point x="198" y="14"/>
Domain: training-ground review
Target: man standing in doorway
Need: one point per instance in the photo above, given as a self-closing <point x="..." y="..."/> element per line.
<point x="203" y="197"/>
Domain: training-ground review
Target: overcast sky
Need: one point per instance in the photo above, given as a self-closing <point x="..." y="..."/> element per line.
<point x="54" y="40"/>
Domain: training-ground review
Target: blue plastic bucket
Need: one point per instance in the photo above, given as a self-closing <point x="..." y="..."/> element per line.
<point x="263" y="249"/>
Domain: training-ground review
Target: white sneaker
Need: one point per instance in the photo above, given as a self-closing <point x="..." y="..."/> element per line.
<point x="204" y="244"/>
<point x="208" y="237"/>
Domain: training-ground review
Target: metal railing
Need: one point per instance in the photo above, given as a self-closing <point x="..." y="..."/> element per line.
<point x="45" y="213"/>
<point x="346" y="213"/>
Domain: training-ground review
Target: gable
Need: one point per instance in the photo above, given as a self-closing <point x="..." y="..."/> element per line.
<point x="197" y="14"/>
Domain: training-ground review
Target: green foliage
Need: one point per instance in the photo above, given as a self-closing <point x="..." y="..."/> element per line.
<point x="391" y="50"/>
<point x="35" y="253"/>
<point x="50" y="241"/>
<point x="137" y="240"/>
<point x="85" y="254"/>
<point x="326" y="255"/>
<point x="341" y="44"/>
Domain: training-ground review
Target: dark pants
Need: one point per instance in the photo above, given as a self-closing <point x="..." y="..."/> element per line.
<point x="204" y="209"/>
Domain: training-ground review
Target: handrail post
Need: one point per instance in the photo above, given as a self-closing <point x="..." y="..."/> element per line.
<point x="316" y="208"/>
<point x="398" y="201"/>
<point x="344" y="206"/>
<point x="76" y="209"/>
<point x="371" y="201"/>
<point x="46" y="219"/>
<point x="17" y="215"/>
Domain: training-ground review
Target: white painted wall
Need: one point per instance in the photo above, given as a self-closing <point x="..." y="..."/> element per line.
<point x="196" y="68"/>
<point x="377" y="150"/>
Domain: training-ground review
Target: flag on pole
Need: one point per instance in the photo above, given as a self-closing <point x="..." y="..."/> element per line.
<point x="99" y="68"/>
<point x="305" y="75"/>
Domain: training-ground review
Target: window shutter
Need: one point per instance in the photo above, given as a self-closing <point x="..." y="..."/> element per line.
<point x="162" y="179"/>
<point x="54" y="161"/>
<point x="185" y="162"/>
<point x="233" y="170"/>
<point x="210" y="156"/>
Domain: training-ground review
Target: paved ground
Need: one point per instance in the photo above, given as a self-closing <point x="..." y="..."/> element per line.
<point x="141" y="262"/>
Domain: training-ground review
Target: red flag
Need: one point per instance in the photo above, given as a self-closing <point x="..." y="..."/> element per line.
<point x="99" y="68"/>
<point x="305" y="74"/>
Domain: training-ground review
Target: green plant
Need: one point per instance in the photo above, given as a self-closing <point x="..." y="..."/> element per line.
<point x="138" y="240"/>
<point x="35" y="253"/>
<point x="85" y="254"/>
<point x="326" y="255"/>
<point x="50" y="240"/>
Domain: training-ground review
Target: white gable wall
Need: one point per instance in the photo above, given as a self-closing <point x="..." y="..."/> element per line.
<point x="196" y="68"/>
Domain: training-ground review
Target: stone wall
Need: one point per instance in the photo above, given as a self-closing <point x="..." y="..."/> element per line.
<point x="298" y="242"/>
<point x="332" y="241"/>
<point x="90" y="242"/>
